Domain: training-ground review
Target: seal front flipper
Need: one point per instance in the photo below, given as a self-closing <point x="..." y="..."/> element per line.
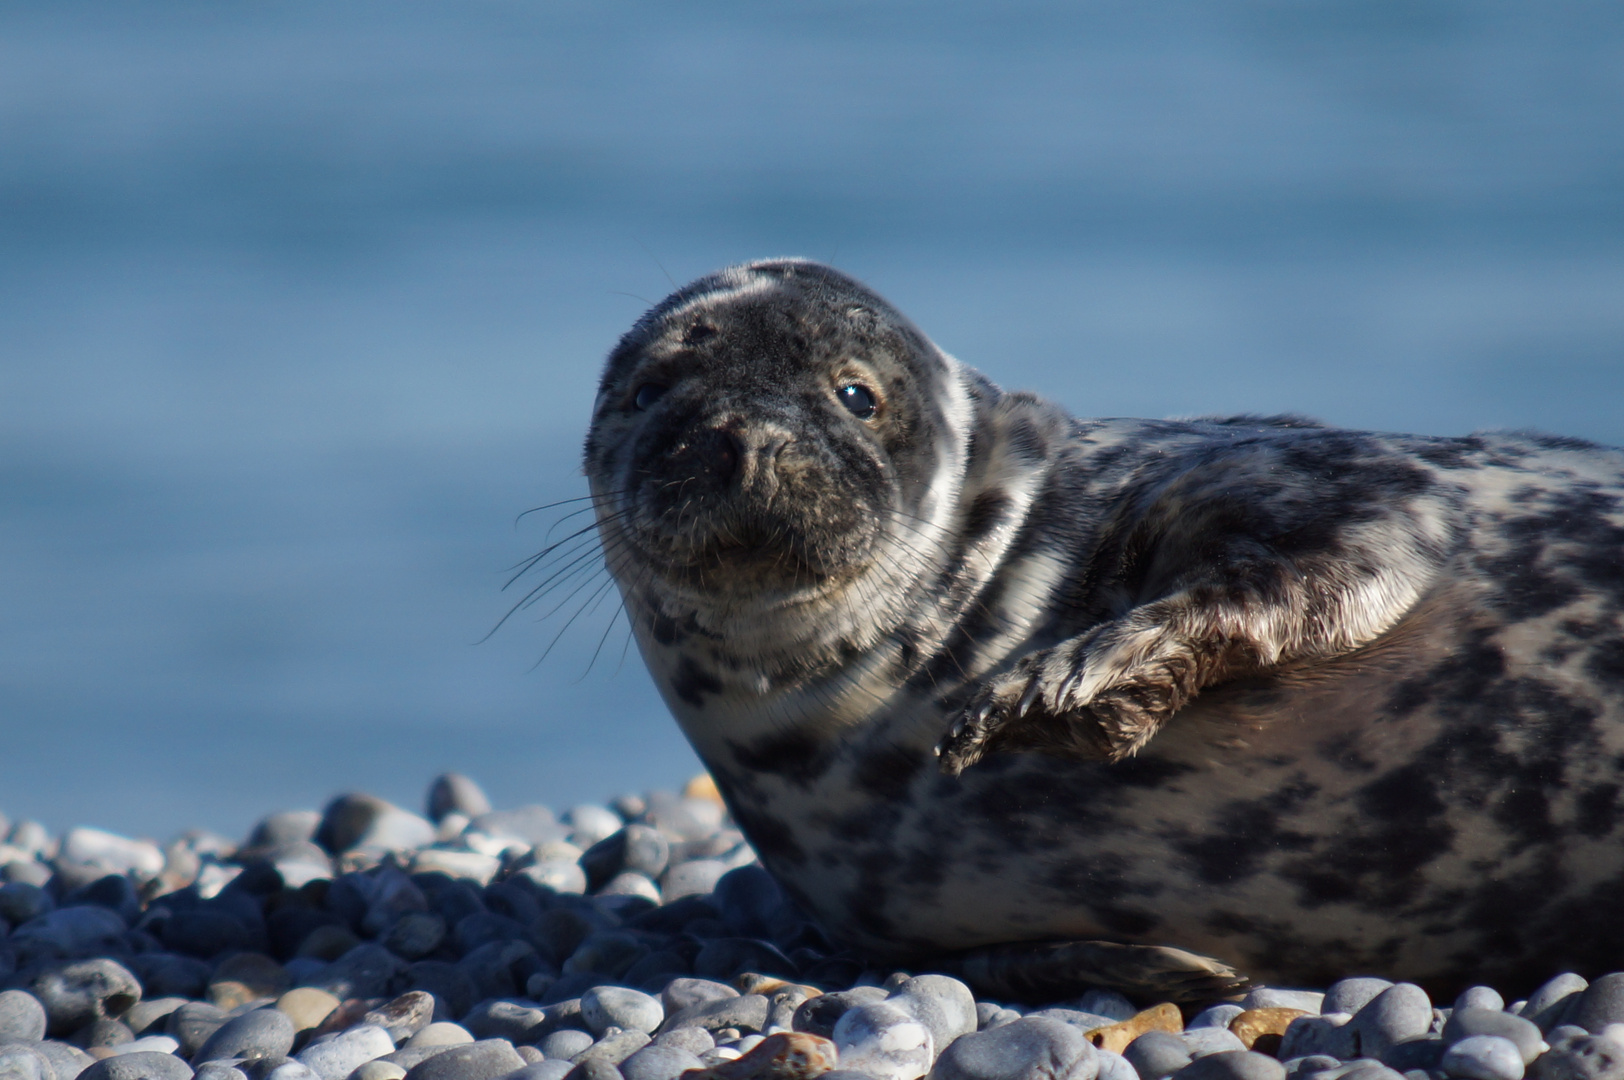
<point x="1053" y="970"/>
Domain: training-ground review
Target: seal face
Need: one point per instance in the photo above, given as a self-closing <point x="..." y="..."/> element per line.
<point x="971" y="672"/>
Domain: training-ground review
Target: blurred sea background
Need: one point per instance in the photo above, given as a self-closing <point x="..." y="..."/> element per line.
<point x="302" y="304"/>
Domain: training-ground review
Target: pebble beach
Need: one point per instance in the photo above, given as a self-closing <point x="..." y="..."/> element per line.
<point x="635" y="940"/>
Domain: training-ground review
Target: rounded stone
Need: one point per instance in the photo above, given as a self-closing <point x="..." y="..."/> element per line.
<point x="193" y="1023"/>
<point x="544" y="1070"/>
<point x="307" y="1006"/>
<point x="218" y="1070"/>
<point x="615" y="1047"/>
<point x="1156" y="1054"/>
<point x="697" y="1041"/>
<point x="659" y="1063"/>
<point x="1351" y="995"/>
<point x="1548" y="1005"/>
<point x="1583" y="1057"/>
<point x="358" y="820"/>
<point x="1234" y="1065"/>
<point x="378" y="1070"/>
<point x="22" y="1017"/>
<point x="884" y="1040"/>
<point x="484" y="1060"/>
<point x="405" y="1016"/>
<point x="685" y="993"/>
<point x="454" y="793"/>
<point x="940" y="1002"/>
<point x="1480" y="997"/>
<point x="615" y="1006"/>
<point x="631" y="883"/>
<point x="441" y="1033"/>
<point x="261" y="1033"/>
<point x="1032" y="1048"/>
<point x="338" y="1057"/>
<point x="1215" y="1016"/>
<point x="559" y="875"/>
<point x="593" y="1069"/>
<point x="1402" y="1011"/>
<point x="1311" y="1036"/>
<point x="696" y="877"/>
<point x="22" y="1062"/>
<point x="566" y="1043"/>
<point x="1268" y="997"/>
<point x="140" y="1066"/>
<point x="589" y="824"/>
<point x="1601" y="1004"/>
<point x="1464" y="1023"/>
<point x="746" y="1013"/>
<point x="1483" y="1057"/>
<point x="81" y="991"/>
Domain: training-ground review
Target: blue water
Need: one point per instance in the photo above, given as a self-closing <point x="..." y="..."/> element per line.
<point x="301" y="304"/>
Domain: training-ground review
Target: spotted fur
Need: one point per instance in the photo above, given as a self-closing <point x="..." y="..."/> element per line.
<point x="972" y="672"/>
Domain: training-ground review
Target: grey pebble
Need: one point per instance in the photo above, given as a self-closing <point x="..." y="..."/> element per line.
<point x="819" y="1015"/>
<point x="338" y="1057"/>
<point x="408" y="1057"/>
<point x="1480" y="997"/>
<point x="19" y="1061"/>
<point x="1329" y="1035"/>
<point x="1423" y="1053"/>
<point x="454" y="793"/>
<point x="1201" y="1042"/>
<point x="1601" y="1004"/>
<point x="1268" y="997"/>
<point x="415" y="934"/>
<point x="1581" y="1057"/>
<point x="1215" y="1016"/>
<point x="1400" y="1012"/>
<point x="1032" y="1048"/>
<point x="1351" y="995"/>
<point x="1234" y="1065"/>
<point x="20" y="902"/>
<point x="484" y="1060"/>
<point x="594" y="1069"/>
<point x="66" y="1061"/>
<point x="1112" y="1066"/>
<point x="542" y="1070"/>
<point x="614" y="1048"/>
<point x="685" y="993"/>
<point x="22" y="1017"/>
<point x="366" y="971"/>
<point x="151" y="1013"/>
<point x="218" y="1070"/>
<point x="405" y="1016"/>
<point x="192" y="1024"/>
<point x="144" y="1066"/>
<point x="1107" y="1003"/>
<point x="441" y="1033"/>
<point x="885" y="1039"/>
<point x="1464" y="1023"/>
<point x="659" y="1063"/>
<point x="1156" y="1054"/>
<point x="287" y="1070"/>
<point x="566" y="1043"/>
<point x="695" y="877"/>
<point x="511" y="1020"/>
<point x="1483" y="1057"/>
<point x="942" y="1003"/>
<point x="746" y="1012"/>
<point x="1547" y="1005"/>
<point x="377" y="1069"/>
<point x="78" y="992"/>
<point x="603" y="1007"/>
<point x="262" y="1033"/>
<point x="101" y="1033"/>
<point x="74" y="931"/>
<point x="696" y="1041"/>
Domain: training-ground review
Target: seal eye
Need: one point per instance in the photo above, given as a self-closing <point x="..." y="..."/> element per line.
<point x="647" y="395"/>
<point x="858" y="399"/>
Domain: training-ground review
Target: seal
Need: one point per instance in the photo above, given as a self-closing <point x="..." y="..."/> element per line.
<point x="1052" y="702"/>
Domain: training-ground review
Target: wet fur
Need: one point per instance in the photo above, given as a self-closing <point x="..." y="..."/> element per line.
<point x="1307" y="700"/>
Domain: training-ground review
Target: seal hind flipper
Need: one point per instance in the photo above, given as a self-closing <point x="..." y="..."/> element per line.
<point x="1055" y="970"/>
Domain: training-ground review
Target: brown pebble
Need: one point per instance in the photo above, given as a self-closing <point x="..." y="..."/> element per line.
<point x="1116" y="1037"/>
<point x="1262" y="1029"/>
<point x="702" y="787"/>
<point x="788" y="1055"/>
<point x="308" y="1006"/>
<point x="751" y="983"/>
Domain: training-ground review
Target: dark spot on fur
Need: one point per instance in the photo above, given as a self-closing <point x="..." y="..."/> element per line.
<point x="887" y="772"/>
<point x="664" y="629"/>
<point x="1451" y="453"/>
<point x="691" y="682"/>
<point x="1130" y="922"/>
<point x="986" y="513"/>
<point x="1027" y="442"/>
<point x="1607" y="661"/>
<point x="1597" y="811"/>
<point x="793" y="754"/>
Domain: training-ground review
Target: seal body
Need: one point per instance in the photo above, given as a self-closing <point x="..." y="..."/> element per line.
<point x="970" y="672"/>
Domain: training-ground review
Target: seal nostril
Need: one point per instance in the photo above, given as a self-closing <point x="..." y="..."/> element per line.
<point x="728" y="453"/>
